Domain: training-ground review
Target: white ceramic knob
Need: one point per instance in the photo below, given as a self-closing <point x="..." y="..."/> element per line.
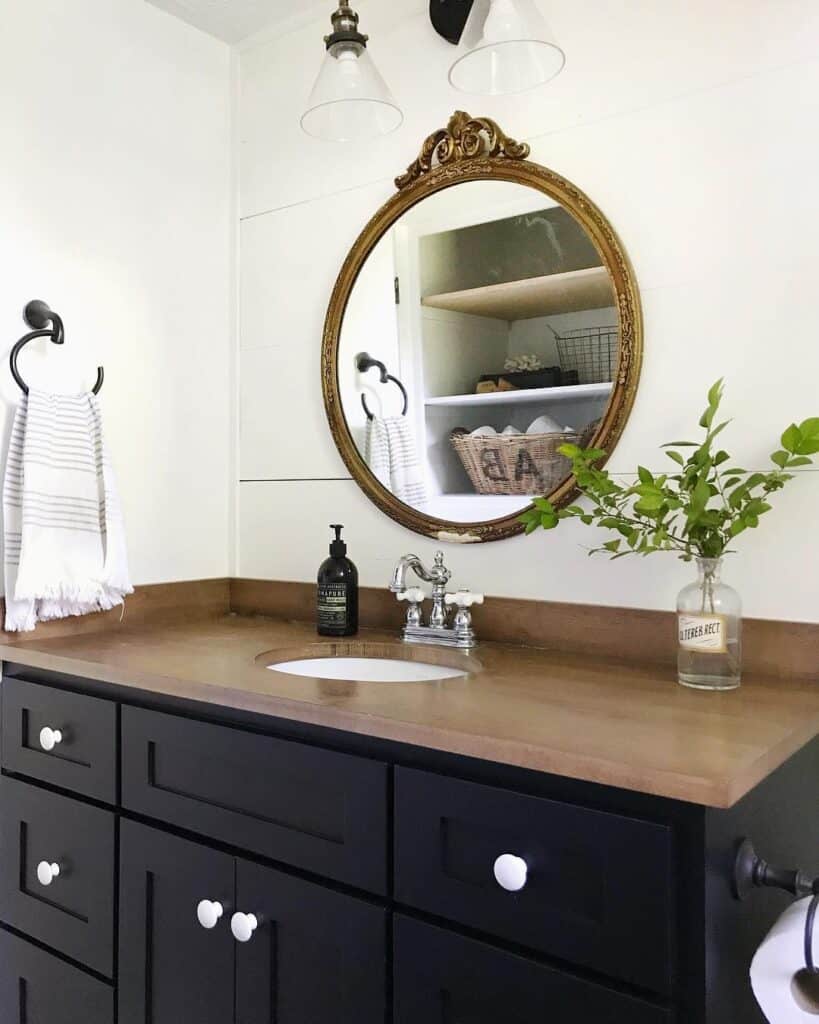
<point x="208" y="913"/>
<point x="464" y="598"/>
<point x="46" y="873"/>
<point x="412" y="594"/>
<point x="511" y="872"/>
<point x="50" y="738"/>
<point x="243" y="926"/>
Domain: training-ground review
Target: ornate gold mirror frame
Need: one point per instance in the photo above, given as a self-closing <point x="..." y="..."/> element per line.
<point x="475" y="149"/>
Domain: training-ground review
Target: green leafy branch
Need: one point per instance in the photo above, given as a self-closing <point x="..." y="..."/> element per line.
<point x="695" y="511"/>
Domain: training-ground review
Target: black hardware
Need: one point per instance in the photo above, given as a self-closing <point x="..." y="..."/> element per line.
<point x="810" y="921"/>
<point x="449" y="18"/>
<point x="752" y="872"/>
<point x="363" y="362"/>
<point x="37" y="315"/>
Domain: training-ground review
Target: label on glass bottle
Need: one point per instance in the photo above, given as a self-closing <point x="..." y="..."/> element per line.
<point x="707" y="634"/>
<point x="332" y="605"/>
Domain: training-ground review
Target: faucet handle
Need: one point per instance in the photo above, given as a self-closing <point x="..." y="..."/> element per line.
<point x="415" y="596"/>
<point x="464" y="598"/>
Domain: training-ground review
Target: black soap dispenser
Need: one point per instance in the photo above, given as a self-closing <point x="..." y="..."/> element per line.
<point x="337" y="591"/>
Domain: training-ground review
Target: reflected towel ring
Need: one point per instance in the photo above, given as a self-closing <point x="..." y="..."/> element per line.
<point x="363" y="362"/>
<point x="37" y="315"/>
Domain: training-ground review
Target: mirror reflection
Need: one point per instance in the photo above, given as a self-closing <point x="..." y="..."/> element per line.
<point x="480" y="335"/>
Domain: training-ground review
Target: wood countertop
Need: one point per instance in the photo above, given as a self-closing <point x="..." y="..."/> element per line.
<point x="592" y="719"/>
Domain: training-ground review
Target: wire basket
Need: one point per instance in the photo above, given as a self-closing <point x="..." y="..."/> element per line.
<point x="591" y="351"/>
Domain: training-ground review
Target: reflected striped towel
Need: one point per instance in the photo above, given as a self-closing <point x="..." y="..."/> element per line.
<point x="390" y="452"/>
<point x="64" y="537"/>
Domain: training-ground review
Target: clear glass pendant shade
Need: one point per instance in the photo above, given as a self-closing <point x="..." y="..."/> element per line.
<point x="350" y="101"/>
<point x="506" y="47"/>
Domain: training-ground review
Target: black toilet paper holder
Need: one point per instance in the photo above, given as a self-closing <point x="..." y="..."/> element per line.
<point x="753" y="872"/>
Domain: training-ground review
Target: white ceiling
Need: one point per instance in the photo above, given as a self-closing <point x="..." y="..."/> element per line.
<point x="234" y="20"/>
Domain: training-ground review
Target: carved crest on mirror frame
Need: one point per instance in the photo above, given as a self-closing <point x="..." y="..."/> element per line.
<point x="464" y="138"/>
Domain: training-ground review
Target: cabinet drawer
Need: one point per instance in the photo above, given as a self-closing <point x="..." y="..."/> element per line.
<point x="318" y="810"/>
<point x="598" y="888"/>
<point x="84" y="761"/>
<point x="75" y="912"/>
<point x="36" y="988"/>
<point x="442" y="978"/>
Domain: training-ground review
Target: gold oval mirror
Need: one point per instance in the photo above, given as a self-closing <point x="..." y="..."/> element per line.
<point x="472" y="331"/>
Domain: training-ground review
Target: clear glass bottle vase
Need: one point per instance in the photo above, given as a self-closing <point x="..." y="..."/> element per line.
<point x="709" y="619"/>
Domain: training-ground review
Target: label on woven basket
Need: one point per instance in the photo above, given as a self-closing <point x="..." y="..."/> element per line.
<point x="707" y="634"/>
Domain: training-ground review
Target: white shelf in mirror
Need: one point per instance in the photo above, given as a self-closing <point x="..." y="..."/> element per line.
<point x="528" y="396"/>
<point x="532" y="297"/>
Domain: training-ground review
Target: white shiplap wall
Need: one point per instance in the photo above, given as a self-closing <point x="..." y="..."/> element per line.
<point x="693" y="126"/>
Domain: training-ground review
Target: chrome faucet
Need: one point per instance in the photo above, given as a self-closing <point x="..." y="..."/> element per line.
<point x="460" y="634"/>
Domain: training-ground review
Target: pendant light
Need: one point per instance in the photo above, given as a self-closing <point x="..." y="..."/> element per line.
<point x="350" y="100"/>
<point x="506" y="47"/>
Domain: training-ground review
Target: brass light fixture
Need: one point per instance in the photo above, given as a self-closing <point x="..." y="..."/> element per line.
<point x="350" y="100"/>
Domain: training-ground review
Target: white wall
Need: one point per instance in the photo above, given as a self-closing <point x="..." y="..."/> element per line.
<point x="692" y="124"/>
<point x="115" y="191"/>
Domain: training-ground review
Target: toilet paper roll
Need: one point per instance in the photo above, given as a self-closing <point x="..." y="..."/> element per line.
<point x="784" y="992"/>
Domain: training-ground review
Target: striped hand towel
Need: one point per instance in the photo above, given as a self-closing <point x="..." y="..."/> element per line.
<point x="390" y="452"/>
<point x="64" y="537"/>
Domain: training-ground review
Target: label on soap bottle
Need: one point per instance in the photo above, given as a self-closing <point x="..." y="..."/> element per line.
<point x="707" y="634"/>
<point x="332" y="605"/>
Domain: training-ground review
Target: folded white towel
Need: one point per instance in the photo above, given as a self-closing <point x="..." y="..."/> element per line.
<point x="390" y="452"/>
<point x="64" y="537"/>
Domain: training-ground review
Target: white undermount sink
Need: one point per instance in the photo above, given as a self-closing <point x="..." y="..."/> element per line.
<point x="371" y="670"/>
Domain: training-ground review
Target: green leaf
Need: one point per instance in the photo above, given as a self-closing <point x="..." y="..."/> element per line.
<point x="680" y="444"/>
<point x="780" y="459"/>
<point x="531" y="527"/>
<point x="808" y="446"/>
<point x="800" y="460"/>
<point x="570" y="450"/>
<point x="736" y="527"/>
<point x="549" y="520"/>
<point x="717" y="430"/>
<point x="644" y="475"/>
<point x="612" y="545"/>
<point x="648" y="505"/>
<point x="715" y="392"/>
<point x="809" y="427"/>
<point x="676" y="457"/>
<point x="699" y="498"/>
<point x="721" y="457"/>
<point x="791" y="439"/>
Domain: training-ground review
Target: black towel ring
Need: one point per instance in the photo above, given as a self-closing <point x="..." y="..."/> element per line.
<point x="364" y="361"/>
<point x="37" y="315"/>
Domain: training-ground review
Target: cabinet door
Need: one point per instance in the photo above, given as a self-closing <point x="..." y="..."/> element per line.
<point x="171" y="968"/>
<point x="315" y="957"/>
<point x="443" y="978"/>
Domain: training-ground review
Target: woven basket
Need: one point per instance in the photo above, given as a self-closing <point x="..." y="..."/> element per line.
<point x="515" y="463"/>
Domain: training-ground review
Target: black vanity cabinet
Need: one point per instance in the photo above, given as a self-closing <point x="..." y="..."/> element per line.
<point x="166" y="863"/>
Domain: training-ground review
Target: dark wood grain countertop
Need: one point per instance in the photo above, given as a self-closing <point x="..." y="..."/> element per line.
<point x="591" y="719"/>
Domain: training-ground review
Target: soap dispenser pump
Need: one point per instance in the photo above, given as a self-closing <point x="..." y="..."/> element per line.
<point x="337" y="591"/>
